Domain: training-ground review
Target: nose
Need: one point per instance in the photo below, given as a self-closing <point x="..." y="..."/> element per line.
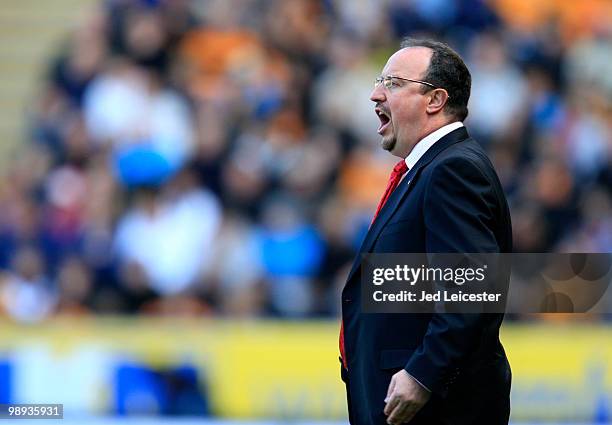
<point x="378" y="94"/>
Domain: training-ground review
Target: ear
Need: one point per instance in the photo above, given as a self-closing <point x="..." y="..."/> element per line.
<point x="437" y="99"/>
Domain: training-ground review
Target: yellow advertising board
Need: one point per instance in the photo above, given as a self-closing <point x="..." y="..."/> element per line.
<point x="262" y="369"/>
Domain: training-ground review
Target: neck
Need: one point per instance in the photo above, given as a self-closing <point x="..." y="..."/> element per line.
<point x="436" y="123"/>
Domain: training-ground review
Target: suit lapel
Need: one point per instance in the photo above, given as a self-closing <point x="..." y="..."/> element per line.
<point x="402" y="190"/>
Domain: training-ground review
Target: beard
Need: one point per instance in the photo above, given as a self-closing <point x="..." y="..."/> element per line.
<point x="388" y="142"/>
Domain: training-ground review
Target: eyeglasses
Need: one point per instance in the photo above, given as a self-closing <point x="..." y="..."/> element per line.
<point x="388" y="82"/>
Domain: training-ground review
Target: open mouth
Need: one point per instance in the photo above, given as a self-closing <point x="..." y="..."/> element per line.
<point x="384" y="118"/>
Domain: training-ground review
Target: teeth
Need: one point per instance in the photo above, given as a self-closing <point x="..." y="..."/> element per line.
<point x="384" y="118"/>
<point x="381" y="114"/>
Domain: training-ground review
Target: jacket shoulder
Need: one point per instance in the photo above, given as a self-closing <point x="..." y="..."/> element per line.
<point x="465" y="154"/>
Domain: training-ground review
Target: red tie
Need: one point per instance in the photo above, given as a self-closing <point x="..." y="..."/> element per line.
<point x="396" y="176"/>
<point x="342" y="353"/>
<point x="394" y="179"/>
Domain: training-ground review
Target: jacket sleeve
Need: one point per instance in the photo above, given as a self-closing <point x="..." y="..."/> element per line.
<point x="460" y="205"/>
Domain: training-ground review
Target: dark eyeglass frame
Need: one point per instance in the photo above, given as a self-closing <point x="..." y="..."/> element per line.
<point x="387" y="81"/>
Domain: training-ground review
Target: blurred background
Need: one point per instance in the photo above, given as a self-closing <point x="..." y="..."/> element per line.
<point x="183" y="185"/>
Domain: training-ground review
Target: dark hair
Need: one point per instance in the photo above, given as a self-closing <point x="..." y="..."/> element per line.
<point x="448" y="71"/>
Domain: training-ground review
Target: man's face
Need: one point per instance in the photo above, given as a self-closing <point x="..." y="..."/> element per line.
<point x="402" y="108"/>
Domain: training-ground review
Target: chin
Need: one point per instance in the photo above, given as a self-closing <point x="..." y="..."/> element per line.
<point x="388" y="143"/>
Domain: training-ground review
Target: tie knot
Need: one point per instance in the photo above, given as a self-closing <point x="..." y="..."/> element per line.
<point x="400" y="168"/>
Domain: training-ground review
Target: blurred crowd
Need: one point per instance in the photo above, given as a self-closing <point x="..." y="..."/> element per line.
<point x="221" y="158"/>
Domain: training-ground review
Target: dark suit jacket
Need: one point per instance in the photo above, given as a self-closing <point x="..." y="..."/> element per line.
<point x="450" y="201"/>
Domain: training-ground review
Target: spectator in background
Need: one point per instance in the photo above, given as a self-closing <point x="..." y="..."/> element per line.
<point x="340" y="88"/>
<point x="292" y="252"/>
<point x="236" y="274"/>
<point x="170" y="233"/>
<point x="25" y="293"/>
<point x="84" y="58"/>
<point x="128" y="107"/>
<point x="75" y="287"/>
<point x="66" y="196"/>
<point x="499" y="92"/>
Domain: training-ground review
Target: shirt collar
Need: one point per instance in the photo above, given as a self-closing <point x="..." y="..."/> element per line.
<point x="428" y="141"/>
